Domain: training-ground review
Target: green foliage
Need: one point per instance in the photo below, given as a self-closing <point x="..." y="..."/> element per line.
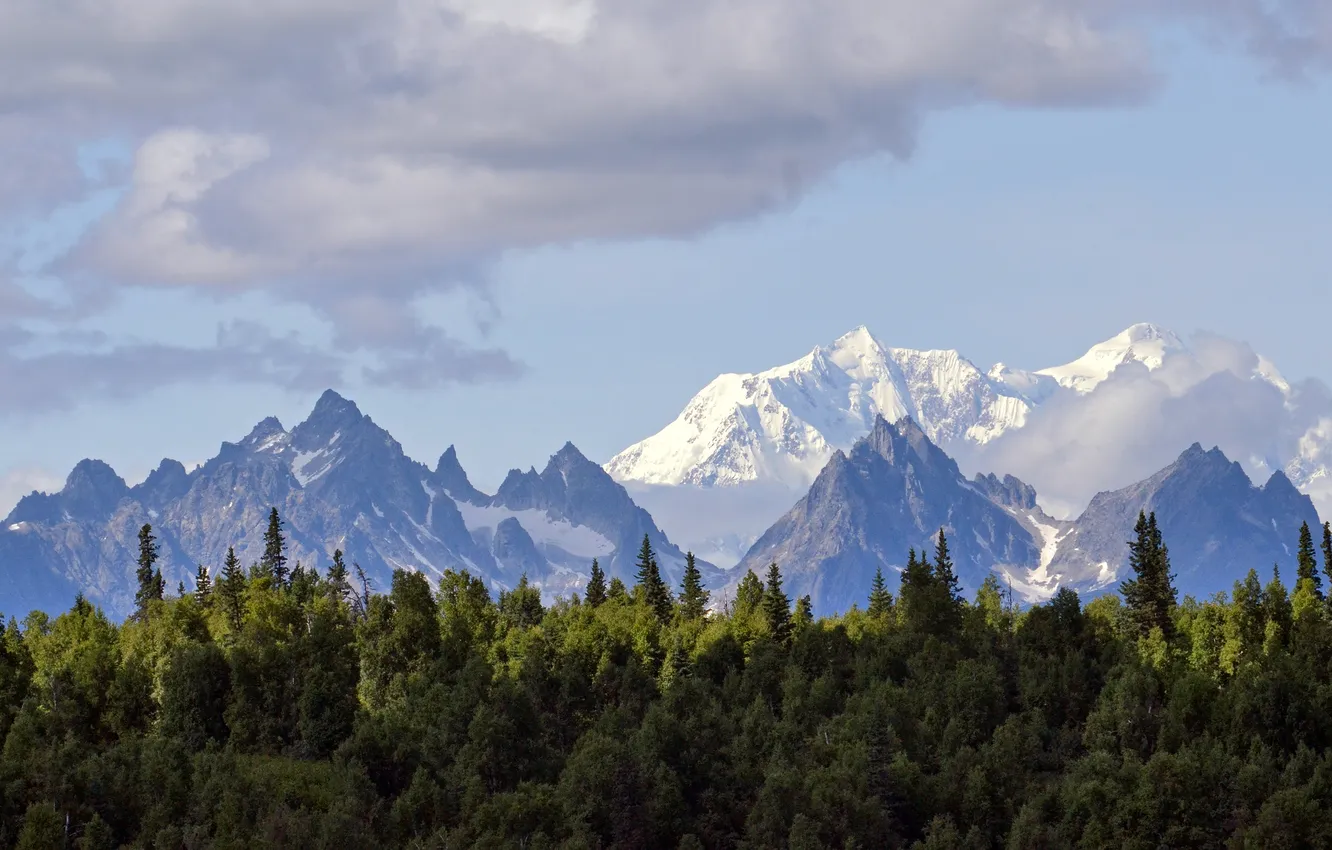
<point x="596" y="585"/>
<point x="880" y="600"/>
<point x="150" y="586"/>
<point x="1150" y="595"/>
<point x="693" y="596"/>
<point x="1307" y="561"/>
<point x="274" y="560"/>
<point x="306" y="714"/>
<point x="651" y="590"/>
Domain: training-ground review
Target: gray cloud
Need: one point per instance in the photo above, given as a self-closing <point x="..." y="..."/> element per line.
<point x="1137" y="422"/>
<point x="336" y="152"/>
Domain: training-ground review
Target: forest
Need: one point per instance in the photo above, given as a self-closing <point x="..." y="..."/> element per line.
<point x="278" y="706"/>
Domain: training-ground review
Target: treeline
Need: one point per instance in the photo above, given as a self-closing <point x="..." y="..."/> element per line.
<point x="277" y="707"/>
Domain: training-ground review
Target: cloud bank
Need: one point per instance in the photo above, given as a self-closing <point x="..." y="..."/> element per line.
<point x="354" y="156"/>
<point x="1139" y="421"/>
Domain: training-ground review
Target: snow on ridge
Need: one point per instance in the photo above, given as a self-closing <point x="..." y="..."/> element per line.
<point x="577" y="540"/>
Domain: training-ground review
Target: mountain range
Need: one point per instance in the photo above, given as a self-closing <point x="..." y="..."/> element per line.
<point x="339" y="481"/>
<point x="895" y="489"/>
<point x="768" y="435"/>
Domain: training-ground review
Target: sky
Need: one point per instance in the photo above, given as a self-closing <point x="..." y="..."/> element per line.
<point x="509" y="224"/>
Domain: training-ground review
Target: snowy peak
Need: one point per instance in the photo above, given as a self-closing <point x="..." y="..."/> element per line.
<point x="1141" y="343"/>
<point x="784" y="424"/>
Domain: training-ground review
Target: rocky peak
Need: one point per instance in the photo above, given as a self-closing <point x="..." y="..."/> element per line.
<point x="169" y="481"/>
<point x="1009" y="491"/>
<point x="451" y="475"/>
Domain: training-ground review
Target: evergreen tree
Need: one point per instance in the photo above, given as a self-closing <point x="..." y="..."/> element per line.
<point x="1327" y="552"/>
<point x="693" y="596"/>
<point x="652" y="589"/>
<point x="944" y="573"/>
<point x="616" y="591"/>
<point x="880" y="600"/>
<point x="231" y="590"/>
<point x="596" y="585"/>
<point x="804" y="614"/>
<point x="150" y="580"/>
<point x="338" y="585"/>
<point x="274" y="561"/>
<point x="1150" y="595"/>
<point x="203" y="586"/>
<point x="1307" y="561"/>
<point x="777" y="606"/>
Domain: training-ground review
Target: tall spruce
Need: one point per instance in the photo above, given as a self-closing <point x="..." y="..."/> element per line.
<point x="274" y="561"/>
<point x="231" y="590"/>
<point x="150" y="579"/>
<point x="880" y="600"/>
<point x="203" y="586"/>
<point x="1327" y="552"/>
<point x="777" y="606"/>
<point x="596" y="585"/>
<point x="944" y="572"/>
<point x="693" y="597"/>
<point x="338" y="585"/>
<point x="1150" y="595"/>
<point x="1307" y="561"/>
<point x="653" y="589"/>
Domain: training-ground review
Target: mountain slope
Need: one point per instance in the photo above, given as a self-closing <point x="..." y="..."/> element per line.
<point x="1216" y="523"/>
<point x="894" y="490"/>
<point x="339" y="481"/>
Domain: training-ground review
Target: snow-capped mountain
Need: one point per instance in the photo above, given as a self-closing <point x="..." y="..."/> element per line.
<point x="776" y="429"/>
<point x="340" y="482"/>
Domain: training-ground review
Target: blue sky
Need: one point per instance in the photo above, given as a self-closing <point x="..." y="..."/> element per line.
<point x="1010" y="232"/>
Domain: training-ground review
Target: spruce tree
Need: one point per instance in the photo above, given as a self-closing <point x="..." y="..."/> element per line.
<point x="944" y="573"/>
<point x="777" y="606"/>
<point x="693" y="597"/>
<point x="231" y="590"/>
<point x="1327" y="552"/>
<point x="596" y="585"/>
<point x="1307" y="562"/>
<point x="274" y="561"/>
<point x="804" y="613"/>
<point x="653" y="589"/>
<point x="338" y="584"/>
<point x="150" y="580"/>
<point x="1150" y="595"/>
<point x="880" y="600"/>
<point x="203" y="586"/>
<point x="616" y="591"/>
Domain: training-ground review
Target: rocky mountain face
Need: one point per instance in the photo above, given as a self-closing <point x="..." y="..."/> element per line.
<point x="894" y="490"/>
<point x="1216" y="523"/>
<point x="339" y="481"/>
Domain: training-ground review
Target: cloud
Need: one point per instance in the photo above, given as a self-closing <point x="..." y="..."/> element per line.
<point x="335" y="152"/>
<point x="1139" y="421"/>
<point x="18" y="482"/>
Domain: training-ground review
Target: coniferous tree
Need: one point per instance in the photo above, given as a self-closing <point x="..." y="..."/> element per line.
<point x="150" y="580"/>
<point x="203" y="586"/>
<point x="1327" y="552"/>
<point x="338" y="585"/>
<point x="777" y="606"/>
<point x="1150" y="595"/>
<point x="880" y="600"/>
<point x="653" y="589"/>
<point x="804" y="613"/>
<point x="944" y="572"/>
<point x="596" y="585"/>
<point x="1307" y="561"/>
<point x="693" y="596"/>
<point x="617" y="591"/>
<point x="231" y="590"/>
<point x="274" y="561"/>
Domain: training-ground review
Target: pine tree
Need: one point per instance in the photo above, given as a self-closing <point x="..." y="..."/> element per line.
<point x="337" y="585"/>
<point x="777" y="606"/>
<point x="1327" y="552"/>
<point x="231" y="590"/>
<point x="150" y="580"/>
<point x="203" y="586"/>
<point x="804" y="614"/>
<point x="693" y="596"/>
<point x="1150" y="595"/>
<point x="274" y="561"/>
<point x="596" y="585"/>
<point x="880" y="600"/>
<point x="1307" y="561"/>
<point x="653" y="589"/>
<point x="944" y="573"/>
<point x="616" y="591"/>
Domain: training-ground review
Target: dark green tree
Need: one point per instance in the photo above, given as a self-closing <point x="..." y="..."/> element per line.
<point x="693" y="596"/>
<point x="337" y="585"/>
<point x="1327" y="551"/>
<point x="231" y="590"/>
<point x="944" y="572"/>
<point x="150" y="578"/>
<point x="804" y="614"/>
<point x="880" y="600"/>
<point x="777" y="606"/>
<point x="616" y="591"/>
<point x="652" y="589"/>
<point x="596" y="585"/>
<point x="1307" y="561"/>
<point x="1150" y="595"/>
<point x="274" y="561"/>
